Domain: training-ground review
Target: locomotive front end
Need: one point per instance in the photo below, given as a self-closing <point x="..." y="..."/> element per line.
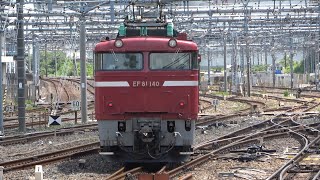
<point x="146" y="98"/>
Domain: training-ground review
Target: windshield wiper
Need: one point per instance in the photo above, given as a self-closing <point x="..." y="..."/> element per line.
<point x="175" y="62"/>
<point x="114" y="56"/>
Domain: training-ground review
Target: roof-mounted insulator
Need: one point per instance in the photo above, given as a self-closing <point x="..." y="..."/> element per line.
<point x="143" y="31"/>
<point x="122" y="30"/>
<point x="170" y="29"/>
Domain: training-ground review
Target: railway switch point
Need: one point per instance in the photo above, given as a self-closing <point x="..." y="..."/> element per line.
<point x="38" y="172"/>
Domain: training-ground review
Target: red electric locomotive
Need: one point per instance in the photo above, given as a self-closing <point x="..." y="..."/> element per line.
<point x="146" y="93"/>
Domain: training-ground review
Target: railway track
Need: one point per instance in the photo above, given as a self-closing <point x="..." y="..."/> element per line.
<point x="306" y="92"/>
<point x="34" y="120"/>
<point x="237" y="139"/>
<point x="267" y="130"/>
<point x="10" y="140"/>
<point x="217" y="146"/>
<point x="51" y="157"/>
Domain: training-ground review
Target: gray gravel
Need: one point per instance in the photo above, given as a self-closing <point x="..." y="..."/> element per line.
<point x="229" y="126"/>
<point x="257" y="169"/>
<point x="45" y="145"/>
<point x="97" y="167"/>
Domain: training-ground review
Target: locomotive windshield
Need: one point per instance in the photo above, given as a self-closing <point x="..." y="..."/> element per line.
<point x="173" y="61"/>
<point x="157" y="61"/>
<point x="119" y="61"/>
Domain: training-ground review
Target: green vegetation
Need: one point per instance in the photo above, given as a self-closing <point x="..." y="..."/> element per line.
<point x="221" y="93"/>
<point x="286" y="93"/>
<point x="65" y="65"/>
<point x="298" y="66"/>
<point x="217" y="69"/>
<point x="259" y="68"/>
<point x="29" y="105"/>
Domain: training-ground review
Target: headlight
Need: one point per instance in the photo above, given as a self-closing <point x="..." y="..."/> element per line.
<point x="118" y="43"/>
<point x="172" y="43"/>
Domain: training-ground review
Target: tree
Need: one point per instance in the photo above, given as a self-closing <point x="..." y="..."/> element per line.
<point x="259" y="68"/>
<point x="65" y="65"/>
<point x="298" y="66"/>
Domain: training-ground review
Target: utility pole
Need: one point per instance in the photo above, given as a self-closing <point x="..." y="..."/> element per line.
<point x="33" y="67"/>
<point x="246" y="14"/>
<point x="234" y="65"/>
<point x="83" y="71"/>
<point x="285" y="59"/>
<point x="273" y="67"/>
<point x="209" y="53"/>
<point x="45" y="58"/>
<point x="248" y="66"/>
<point x="225" y="61"/>
<point x="252" y="60"/>
<point x="21" y="68"/>
<point x="291" y="63"/>
<point x="266" y="58"/>
<point x="35" y="53"/>
<point x="318" y="47"/>
<point x="242" y="68"/>
<point x="1" y="89"/>
<point x="316" y="76"/>
<point x="37" y="68"/>
<point x="55" y="61"/>
<point x="75" y="63"/>
<point x="209" y="68"/>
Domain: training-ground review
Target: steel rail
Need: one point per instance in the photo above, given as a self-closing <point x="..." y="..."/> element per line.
<point x="316" y="176"/>
<point x="280" y="172"/>
<point x="118" y="172"/>
<point x="9" y="140"/>
<point x="50" y="157"/>
<point x="236" y="144"/>
<point x="123" y="174"/>
<point x="224" y="140"/>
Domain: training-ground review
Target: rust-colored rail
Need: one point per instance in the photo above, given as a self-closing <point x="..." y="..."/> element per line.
<point x="51" y="157"/>
<point x="9" y="140"/>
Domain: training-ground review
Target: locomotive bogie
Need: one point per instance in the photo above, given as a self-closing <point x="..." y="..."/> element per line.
<point x="147" y="138"/>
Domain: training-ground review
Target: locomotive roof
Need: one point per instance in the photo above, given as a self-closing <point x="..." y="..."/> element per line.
<point x="138" y="44"/>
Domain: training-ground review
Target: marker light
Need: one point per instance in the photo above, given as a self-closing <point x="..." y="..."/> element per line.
<point x="110" y="104"/>
<point x="121" y="126"/>
<point x="118" y="43"/>
<point x="172" y="43"/>
<point x="181" y="104"/>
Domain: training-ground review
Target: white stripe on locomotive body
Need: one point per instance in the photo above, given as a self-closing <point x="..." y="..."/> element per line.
<point x="180" y="83"/>
<point x="126" y="84"/>
<point x="112" y="84"/>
